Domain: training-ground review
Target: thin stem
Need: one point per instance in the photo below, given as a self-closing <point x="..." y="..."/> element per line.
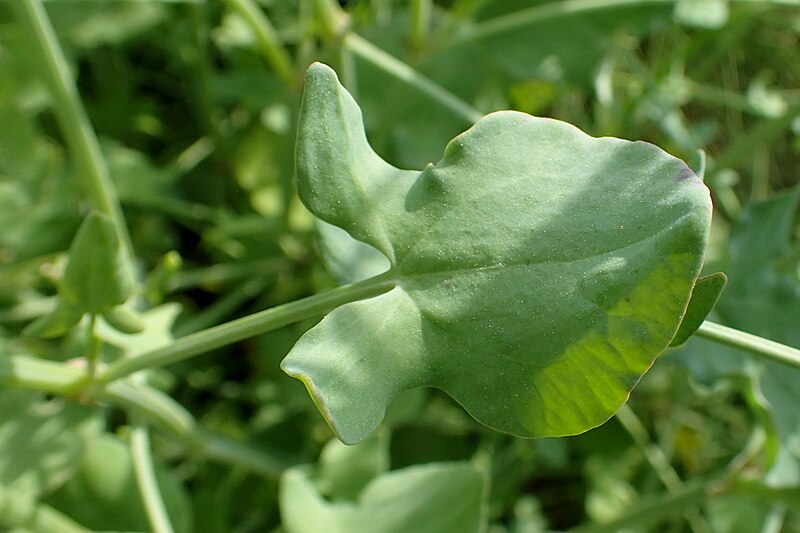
<point x="30" y="373"/>
<point x="764" y="132"/>
<point x="70" y="114"/>
<point x="155" y="407"/>
<point x="655" y="510"/>
<point x="776" y="516"/>
<point x="249" y="326"/>
<point x="236" y="453"/>
<point x="750" y="343"/>
<point x="269" y="43"/>
<point x="566" y="8"/>
<point x="658" y="461"/>
<point x="331" y="17"/>
<point x="547" y="12"/>
<point x="420" y="22"/>
<point x="144" y="470"/>
<point x="402" y="71"/>
<point x="349" y="72"/>
<point x="222" y="308"/>
<point x="93" y="346"/>
<point x="654" y="455"/>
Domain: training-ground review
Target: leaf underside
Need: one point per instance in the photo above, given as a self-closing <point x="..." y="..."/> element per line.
<point x="538" y="271"/>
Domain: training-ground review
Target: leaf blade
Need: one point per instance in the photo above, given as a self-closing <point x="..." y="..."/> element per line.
<point x="539" y="271"/>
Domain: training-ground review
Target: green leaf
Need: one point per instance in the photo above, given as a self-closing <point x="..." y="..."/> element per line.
<point x="56" y="323"/>
<point x="538" y="271"/>
<point x="104" y="495"/>
<point x="124" y="320"/>
<point x="424" y="499"/>
<point x="347" y="259"/>
<point x="344" y="471"/>
<point x="156" y="330"/>
<point x="98" y="275"/>
<point x="707" y="291"/>
<point x="40" y="441"/>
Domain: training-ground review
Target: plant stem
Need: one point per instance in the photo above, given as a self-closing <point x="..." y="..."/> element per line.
<point x="654" y="455"/>
<point x="93" y="346"/>
<point x="402" y="71"/>
<point x="659" y="462"/>
<point x="249" y="326"/>
<point x="70" y="114"/>
<point x="269" y="43"/>
<point x="30" y="373"/>
<point x="223" y="307"/>
<point x="520" y="19"/>
<point x="764" y="132"/>
<point x="750" y="343"/>
<point x="566" y="8"/>
<point x="145" y="473"/>
<point x="651" y="511"/>
<point x="331" y="17"/>
<point x="236" y="453"/>
<point x="420" y="23"/>
<point x="149" y="404"/>
<point x="773" y="523"/>
<point x="155" y="407"/>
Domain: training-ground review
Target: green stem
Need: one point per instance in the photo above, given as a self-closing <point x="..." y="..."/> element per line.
<point x="144" y="470"/>
<point x="223" y="307"/>
<point x="155" y="407"/>
<point x="232" y="452"/>
<point x="18" y="510"/>
<point x="750" y="343"/>
<point x="331" y="17"/>
<point x="652" y="511"/>
<point x="766" y="131"/>
<point x="402" y="71"/>
<point x="547" y="12"/>
<point x="420" y="23"/>
<point x="94" y="346"/>
<point x="30" y="373"/>
<point x="70" y="113"/>
<point x="654" y="455"/>
<point x="658" y="461"/>
<point x="269" y="43"/>
<point x="249" y="326"/>
<point x="773" y="523"/>
<point x="566" y="8"/>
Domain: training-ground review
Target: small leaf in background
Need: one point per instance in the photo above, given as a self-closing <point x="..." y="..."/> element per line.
<point x="709" y="14"/>
<point x="98" y="275"/>
<point x="56" y="323"/>
<point x="41" y="442"/>
<point x="347" y="259"/>
<point x="706" y="292"/>
<point x="431" y="498"/>
<point x="344" y="470"/>
<point x="156" y="330"/>
<point x="538" y="271"/>
<point x="124" y="320"/>
<point x="103" y="495"/>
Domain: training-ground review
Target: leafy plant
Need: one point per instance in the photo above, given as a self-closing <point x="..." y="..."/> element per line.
<point x="535" y="274"/>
